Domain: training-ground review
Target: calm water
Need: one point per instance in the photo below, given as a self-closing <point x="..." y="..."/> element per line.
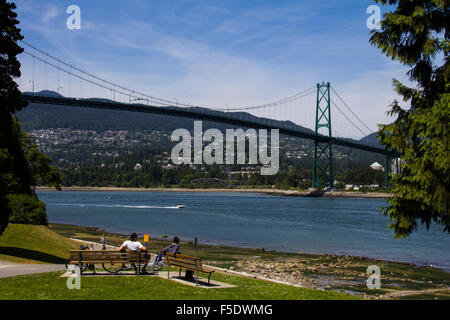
<point x="290" y="224"/>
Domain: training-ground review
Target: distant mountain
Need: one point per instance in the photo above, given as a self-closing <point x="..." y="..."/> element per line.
<point x="47" y="93"/>
<point x="371" y="139"/>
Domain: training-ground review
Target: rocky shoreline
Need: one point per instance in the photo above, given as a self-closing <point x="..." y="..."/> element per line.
<point x="345" y="274"/>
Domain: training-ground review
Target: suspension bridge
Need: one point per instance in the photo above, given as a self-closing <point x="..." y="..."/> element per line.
<point x="306" y="114"/>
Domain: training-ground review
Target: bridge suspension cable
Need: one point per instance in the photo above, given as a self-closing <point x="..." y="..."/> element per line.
<point x="75" y="75"/>
<point x="274" y="103"/>
<point x="346" y="105"/>
<point x="152" y="98"/>
<point x="346" y="117"/>
<point x="116" y="88"/>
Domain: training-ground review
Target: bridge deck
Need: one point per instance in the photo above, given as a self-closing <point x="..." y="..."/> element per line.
<point x="208" y="115"/>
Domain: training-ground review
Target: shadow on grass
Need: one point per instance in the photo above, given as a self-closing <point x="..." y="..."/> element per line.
<point x="31" y="254"/>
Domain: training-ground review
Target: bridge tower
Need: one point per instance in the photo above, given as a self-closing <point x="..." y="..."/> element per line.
<point x="323" y="151"/>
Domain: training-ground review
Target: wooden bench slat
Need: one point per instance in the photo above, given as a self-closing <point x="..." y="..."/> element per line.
<point x="107" y="256"/>
<point x="184" y="261"/>
<point x="191" y="265"/>
<point x="187" y="262"/>
<point x="107" y="260"/>
<point x="98" y="261"/>
<point x="104" y="254"/>
<point x="99" y="251"/>
<point x="186" y="266"/>
<point x="99" y="255"/>
<point x="181" y="256"/>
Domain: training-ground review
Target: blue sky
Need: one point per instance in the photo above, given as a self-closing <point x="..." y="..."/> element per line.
<point x="219" y="52"/>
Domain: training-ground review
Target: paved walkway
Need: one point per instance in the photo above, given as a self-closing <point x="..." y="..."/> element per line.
<point x="94" y="245"/>
<point x="10" y="269"/>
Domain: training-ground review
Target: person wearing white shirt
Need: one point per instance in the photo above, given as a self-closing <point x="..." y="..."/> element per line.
<point x="132" y="244"/>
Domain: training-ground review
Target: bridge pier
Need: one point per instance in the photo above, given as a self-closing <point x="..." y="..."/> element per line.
<point x="323" y="151"/>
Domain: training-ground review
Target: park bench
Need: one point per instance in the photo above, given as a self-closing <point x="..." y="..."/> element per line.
<point x="113" y="261"/>
<point x="188" y="263"/>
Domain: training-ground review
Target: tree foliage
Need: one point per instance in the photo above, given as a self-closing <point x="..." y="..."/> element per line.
<point x="416" y="34"/>
<point x="16" y="173"/>
<point x="10" y="96"/>
<point x="44" y="174"/>
<point x="27" y="209"/>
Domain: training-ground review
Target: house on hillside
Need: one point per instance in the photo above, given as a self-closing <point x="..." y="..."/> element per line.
<point x="377" y="166"/>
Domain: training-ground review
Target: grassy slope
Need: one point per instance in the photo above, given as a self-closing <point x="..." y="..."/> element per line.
<point x="34" y="244"/>
<point x="137" y="288"/>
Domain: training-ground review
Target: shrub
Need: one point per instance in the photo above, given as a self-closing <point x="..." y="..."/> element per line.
<point x="27" y="209"/>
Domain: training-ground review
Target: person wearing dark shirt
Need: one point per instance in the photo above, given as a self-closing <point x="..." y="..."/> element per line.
<point x="174" y="248"/>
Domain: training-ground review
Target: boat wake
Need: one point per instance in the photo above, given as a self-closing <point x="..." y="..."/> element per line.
<point x="120" y="206"/>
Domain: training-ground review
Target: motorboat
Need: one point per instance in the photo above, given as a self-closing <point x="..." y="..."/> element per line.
<point x="180" y="206"/>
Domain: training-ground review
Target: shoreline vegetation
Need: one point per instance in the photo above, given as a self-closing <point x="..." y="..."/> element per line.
<point x="341" y="273"/>
<point x="276" y="192"/>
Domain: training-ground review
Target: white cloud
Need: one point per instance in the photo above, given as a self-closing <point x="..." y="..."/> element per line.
<point x="50" y="13"/>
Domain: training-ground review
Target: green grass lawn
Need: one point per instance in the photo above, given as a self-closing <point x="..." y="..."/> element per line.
<point x="50" y="286"/>
<point x="34" y="244"/>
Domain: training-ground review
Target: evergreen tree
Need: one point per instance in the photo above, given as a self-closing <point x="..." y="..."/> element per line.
<point x="14" y="174"/>
<point x="416" y="33"/>
<point x="20" y="160"/>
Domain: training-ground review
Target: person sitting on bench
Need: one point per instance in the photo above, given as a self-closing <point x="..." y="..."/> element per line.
<point x="132" y="244"/>
<point x="174" y="248"/>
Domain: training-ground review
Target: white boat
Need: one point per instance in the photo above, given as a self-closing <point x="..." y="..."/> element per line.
<point x="180" y="206"/>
